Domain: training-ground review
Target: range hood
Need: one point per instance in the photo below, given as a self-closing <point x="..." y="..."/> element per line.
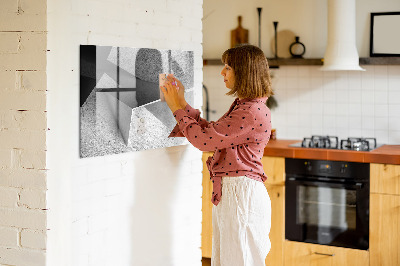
<point x="341" y="51"/>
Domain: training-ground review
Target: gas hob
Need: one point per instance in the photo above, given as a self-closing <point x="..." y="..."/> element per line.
<point x="332" y="142"/>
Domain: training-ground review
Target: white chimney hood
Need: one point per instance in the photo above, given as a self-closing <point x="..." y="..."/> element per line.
<point x="341" y="51"/>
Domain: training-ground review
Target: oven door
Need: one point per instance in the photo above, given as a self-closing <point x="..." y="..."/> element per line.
<point x="327" y="213"/>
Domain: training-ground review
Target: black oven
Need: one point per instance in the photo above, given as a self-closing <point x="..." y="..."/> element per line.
<point x="327" y="202"/>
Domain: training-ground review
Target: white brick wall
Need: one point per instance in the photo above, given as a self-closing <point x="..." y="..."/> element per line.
<point x="22" y="132"/>
<point x="141" y="208"/>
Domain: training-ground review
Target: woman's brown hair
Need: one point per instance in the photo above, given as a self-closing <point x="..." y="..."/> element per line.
<point x="250" y="66"/>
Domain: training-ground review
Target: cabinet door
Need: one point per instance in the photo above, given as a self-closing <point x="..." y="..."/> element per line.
<point x="277" y="233"/>
<point x="384" y="230"/>
<point x="206" y="232"/>
<point x="304" y="254"/>
<point x="274" y="168"/>
<point x="385" y="178"/>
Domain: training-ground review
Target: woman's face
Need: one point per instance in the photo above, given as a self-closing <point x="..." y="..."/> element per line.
<point x="229" y="76"/>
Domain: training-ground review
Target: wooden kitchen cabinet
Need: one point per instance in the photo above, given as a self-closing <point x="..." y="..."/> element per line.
<point x="385" y="215"/>
<point x="385" y="178"/>
<point x="277" y="233"/>
<point x="206" y="225"/>
<point x="384" y="236"/>
<point x="274" y="168"/>
<point x="305" y="254"/>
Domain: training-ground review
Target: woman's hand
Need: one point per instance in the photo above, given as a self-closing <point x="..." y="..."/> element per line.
<point x="181" y="90"/>
<point x="173" y="94"/>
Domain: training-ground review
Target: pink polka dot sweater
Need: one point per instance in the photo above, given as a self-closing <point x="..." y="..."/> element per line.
<point x="238" y="139"/>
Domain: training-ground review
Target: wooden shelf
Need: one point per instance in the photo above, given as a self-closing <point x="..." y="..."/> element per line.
<point x="380" y="61"/>
<point x="294" y="62"/>
<point x="273" y="63"/>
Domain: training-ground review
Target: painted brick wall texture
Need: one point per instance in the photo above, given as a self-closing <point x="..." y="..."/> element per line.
<point x="138" y="208"/>
<point x="22" y="132"/>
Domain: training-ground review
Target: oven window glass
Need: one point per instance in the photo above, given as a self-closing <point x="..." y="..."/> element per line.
<point x="327" y="207"/>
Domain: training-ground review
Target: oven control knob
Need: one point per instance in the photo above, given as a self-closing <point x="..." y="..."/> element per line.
<point x="308" y="166"/>
<point x="343" y="168"/>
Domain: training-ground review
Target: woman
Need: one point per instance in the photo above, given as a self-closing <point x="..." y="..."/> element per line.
<point x="242" y="209"/>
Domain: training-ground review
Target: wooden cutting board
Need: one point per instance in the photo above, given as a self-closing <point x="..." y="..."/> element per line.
<point x="239" y="35"/>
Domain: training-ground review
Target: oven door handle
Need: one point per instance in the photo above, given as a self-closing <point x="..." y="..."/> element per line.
<point x="357" y="185"/>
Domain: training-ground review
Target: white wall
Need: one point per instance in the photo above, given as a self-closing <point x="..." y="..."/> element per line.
<point x="312" y="102"/>
<point x="306" y="19"/>
<point x="141" y="208"/>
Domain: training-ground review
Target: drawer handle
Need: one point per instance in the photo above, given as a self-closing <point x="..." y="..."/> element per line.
<point x="324" y="254"/>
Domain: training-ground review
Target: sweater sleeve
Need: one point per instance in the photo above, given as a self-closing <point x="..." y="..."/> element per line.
<point x="229" y="131"/>
<point x="193" y="113"/>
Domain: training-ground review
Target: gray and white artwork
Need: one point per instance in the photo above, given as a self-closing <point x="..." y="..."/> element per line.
<point x="120" y="106"/>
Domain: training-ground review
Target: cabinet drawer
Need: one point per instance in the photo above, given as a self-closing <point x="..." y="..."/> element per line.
<point x="297" y="254"/>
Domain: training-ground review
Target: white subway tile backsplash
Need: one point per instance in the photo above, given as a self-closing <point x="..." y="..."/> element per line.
<point x="355" y="122"/>
<point x="293" y="120"/>
<point x="342" y="81"/>
<point x="369" y="70"/>
<point x="316" y="72"/>
<point x="367" y="110"/>
<point x="353" y="102"/>
<point x="342" y="96"/>
<point x="329" y="93"/>
<point x="316" y="82"/>
<point x="381" y="123"/>
<point x="317" y="107"/>
<point x="381" y="97"/>
<point x="394" y="97"/>
<point x="367" y="122"/>
<point x="329" y="109"/>
<point x="393" y="71"/>
<point x="292" y="83"/>
<point x="367" y="133"/>
<point x="394" y="110"/>
<point x="304" y="72"/>
<point x="382" y="110"/>
<point x="278" y="83"/>
<point x="304" y="108"/>
<point x="328" y="74"/>
<point x="380" y="71"/>
<point x="329" y="122"/>
<point x="394" y="83"/>
<point x="304" y="82"/>
<point x="354" y="80"/>
<point x="305" y="95"/>
<point x="394" y="123"/>
<point x="381" y="136"/>
<point x="355" y="96"/>
<point x="380" y="84"/>
<point x="367" y="96"/>
<point x="291" y="71"/>
<point x="342" y="109"/>
<point x="394" y="137"/>
<point x="317" y="131"/>
<point x="342" y="122"/>
<point x="355" y="132"/>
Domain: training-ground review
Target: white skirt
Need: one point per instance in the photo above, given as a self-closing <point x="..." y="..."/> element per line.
<point x="241" y="223"/>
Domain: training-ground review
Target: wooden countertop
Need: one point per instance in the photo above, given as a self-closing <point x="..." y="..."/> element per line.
<point x="389" y="154"/>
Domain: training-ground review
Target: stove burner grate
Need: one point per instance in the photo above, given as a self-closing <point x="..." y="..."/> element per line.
<point x="358" y="144"/>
